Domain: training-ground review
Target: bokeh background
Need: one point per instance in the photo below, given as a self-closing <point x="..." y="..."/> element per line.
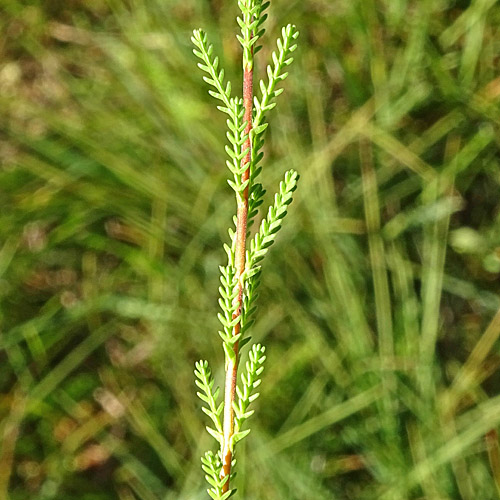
<point x="379" y="300"/>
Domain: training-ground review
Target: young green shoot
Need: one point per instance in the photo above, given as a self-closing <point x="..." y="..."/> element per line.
<point x="240" y="277"/>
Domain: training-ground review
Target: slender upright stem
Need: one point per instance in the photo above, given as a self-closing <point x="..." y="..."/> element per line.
<point x="240" y="278"/>
<point x="240" y="252"/>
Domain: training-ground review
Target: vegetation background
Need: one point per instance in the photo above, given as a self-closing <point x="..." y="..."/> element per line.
<point x="379" y="302"/>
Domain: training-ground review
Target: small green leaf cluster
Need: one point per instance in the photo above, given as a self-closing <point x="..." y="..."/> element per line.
<point x="269" y="93"/>
<point x="259" y="247"/>
<point x="250" y="381"/>
<point x="210" y="65"/>
<point x="270" y="226"/>
<point x="275" y="74"/>
<point x="211" y="462"/>
<point x="209" y="396"/>
<point x="266" y="103"/>
<point x="229" y="306"/>
<point x="231" y="106"/>
<point x="260" y="244"/>
<point x="237" y="136"/>
<point x="250" y="23"/>
<point x="212" y="465"/>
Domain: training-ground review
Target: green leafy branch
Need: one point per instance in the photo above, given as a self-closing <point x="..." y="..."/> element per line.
<point x="261" y="242"/>
<point x="259" y="29"/>
<point x="211" y="66"/>
<point x="205" y="382"/>
<point x="240" y="278"/>
<point x="246" y="395"/>
<point x="269" y="93"/>
<point x="255" y="199"/>
<point x="275" y="75"/>
<point x="227" y="301"/>
<point x="237" y="137"/>
<point x="251" y="27"/>
<point x="270" y="226"/>
<point x="230" y="249"/>
<point x="212" y="466"/>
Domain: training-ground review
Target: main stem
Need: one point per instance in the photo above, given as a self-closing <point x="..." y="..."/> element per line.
<point x="240" y="253"/>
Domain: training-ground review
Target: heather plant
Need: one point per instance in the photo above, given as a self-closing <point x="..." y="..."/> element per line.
<point x="240" y="277"/>
<point x="382" y="329"/>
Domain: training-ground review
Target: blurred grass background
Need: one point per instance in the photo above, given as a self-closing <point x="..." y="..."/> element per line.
<point x="379" y="302"/>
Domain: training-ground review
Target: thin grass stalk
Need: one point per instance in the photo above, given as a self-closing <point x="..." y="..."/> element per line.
<point x="493" y="449"/>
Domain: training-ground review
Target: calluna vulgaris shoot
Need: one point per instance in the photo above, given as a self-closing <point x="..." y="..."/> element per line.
<point x="240" y="277"/>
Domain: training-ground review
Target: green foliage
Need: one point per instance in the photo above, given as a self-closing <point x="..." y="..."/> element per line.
<point x="250" y="380"/>
<point x="275" y="74"/>
<point x="238" y="290"/>
<point x="216" y="77"/>
<point x="237" y="137"/>
<point x="270" y="226"/>
<point x="229" y="306"/>
<point x="261" y="242"/>
<point x="266" y="103"/>
<point x="211" y="465"/>
<point x="378" y="303"/>
<point x="209" y="396"/>
<point x="251" y="28"/>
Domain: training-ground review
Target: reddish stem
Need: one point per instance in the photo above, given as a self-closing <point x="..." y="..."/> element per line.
<point x="240" y="254"/>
